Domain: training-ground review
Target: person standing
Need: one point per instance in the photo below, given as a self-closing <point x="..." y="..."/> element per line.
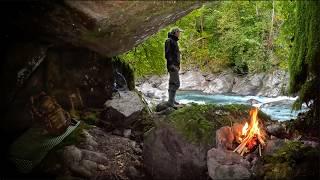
<point x="172" y="55"/>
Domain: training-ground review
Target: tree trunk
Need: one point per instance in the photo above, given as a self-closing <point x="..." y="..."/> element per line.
<point x="270" y="41"/>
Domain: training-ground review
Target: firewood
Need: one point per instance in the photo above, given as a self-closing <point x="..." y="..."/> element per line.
<point x="261" y="140"/>
<point x="244" y="142"/>
<point x="260" y="149"/>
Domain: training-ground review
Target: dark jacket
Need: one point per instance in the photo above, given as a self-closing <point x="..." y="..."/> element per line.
<point x="172" y="52"/>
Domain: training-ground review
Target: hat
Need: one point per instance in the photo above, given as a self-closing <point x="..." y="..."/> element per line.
<point x="174" y="30"/>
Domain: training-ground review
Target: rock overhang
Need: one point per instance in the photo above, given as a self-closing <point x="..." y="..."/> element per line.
<point x="107" y="27"/>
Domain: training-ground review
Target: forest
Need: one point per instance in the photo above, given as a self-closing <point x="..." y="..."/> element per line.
<point x="247" y="36"/>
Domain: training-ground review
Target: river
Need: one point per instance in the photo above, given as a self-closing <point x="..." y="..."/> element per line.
<point x="278" y="108"/>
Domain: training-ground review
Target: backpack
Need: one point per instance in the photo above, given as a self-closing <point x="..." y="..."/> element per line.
<point x="46" y="111"/>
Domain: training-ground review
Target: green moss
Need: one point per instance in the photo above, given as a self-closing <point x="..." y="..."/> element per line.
<point x="144" y="123"/>
<point x="126" y="70"/>
<point x="278" y="171"/>
<point x="90" y="117"/>
<point x="198" y="123"/>
<point x="304" y="125"/>
<point x="291" y="161"/>
<point x="75" y="137"/>
<point x="304" y="63"/>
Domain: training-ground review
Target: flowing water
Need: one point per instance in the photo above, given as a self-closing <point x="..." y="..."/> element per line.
<point x="278" y="108"/>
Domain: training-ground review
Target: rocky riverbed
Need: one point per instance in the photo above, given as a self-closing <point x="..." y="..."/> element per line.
<point x="261" y="84"/>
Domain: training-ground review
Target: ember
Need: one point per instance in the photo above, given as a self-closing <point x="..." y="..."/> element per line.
<point x="252" y="137"/>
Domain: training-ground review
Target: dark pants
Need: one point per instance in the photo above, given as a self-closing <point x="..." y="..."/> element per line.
<point x="174" y="80"/>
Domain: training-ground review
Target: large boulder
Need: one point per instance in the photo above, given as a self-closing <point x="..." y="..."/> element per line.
<point x="107" y="27"/>
<point x="123" y="109"/>
<point x="168" y="155"/>
<point x="223" y="164"/>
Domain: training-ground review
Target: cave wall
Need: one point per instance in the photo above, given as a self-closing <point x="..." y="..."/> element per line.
<point x="64" y="71"/>
<point x="65" y="47"/>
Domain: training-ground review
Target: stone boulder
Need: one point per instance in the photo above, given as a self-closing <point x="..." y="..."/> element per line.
<point x="167" y="155"/>
<point x="274" y="84"/>
<point x="123" y="109"/>
<point x="249" y="85"/>
<point x="107" y="27"/>
<point x="223" y="164"/>
<point x="221" y="84"/>
<point x="272" y="146"/>
<point x="192" y="80"/>
<point x="276" y="129"/>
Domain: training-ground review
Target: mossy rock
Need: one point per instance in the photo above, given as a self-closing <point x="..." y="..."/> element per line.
<point x="292" y="160"/>
<point x="198" y="123"/>
<point x="90" y="116"/>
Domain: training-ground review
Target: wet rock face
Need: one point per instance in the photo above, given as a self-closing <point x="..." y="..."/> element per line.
<point x="107" y="27"/>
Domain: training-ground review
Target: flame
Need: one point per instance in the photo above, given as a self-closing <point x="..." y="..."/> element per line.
<point x="250" y="134"/>
<point x="254" y="124"/>
<point x="245" y="129"/>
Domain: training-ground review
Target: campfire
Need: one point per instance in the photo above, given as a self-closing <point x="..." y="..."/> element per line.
<point x="252" y="136"/>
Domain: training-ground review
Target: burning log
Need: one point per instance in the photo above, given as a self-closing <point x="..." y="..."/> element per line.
<point x="253" y="137"/>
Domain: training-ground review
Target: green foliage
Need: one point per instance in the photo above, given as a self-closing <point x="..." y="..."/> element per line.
<point x="199" y="122"/>
<point x="305" y="56"/>
<point x="220" y="35"/>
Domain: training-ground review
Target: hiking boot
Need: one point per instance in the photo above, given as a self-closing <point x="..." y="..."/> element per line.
<point x="172" y="105"/>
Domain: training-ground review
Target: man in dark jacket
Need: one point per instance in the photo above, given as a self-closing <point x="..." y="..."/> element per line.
<point x="172" y="55"/>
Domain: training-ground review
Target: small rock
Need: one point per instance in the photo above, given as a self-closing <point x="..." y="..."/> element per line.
<point x="117" y="132"/>
<point x="94" y="156"/>
<point x="133" y="172"/>
<point x="127" y="133"/>
<point x="311" y="143"/>
<point x="90" y="165"/>
<point x="221" y="113"/>
<point x="161" y="106"/>
<point x="166" y="111"/>
<point x="273" y="137"/>
<point x="276" y="129"/>
<point x="272" y="146"/>
<point x="102" y="167"/>
<point x="138" y="150"/>
<point x="71" y="155"/>
<point x="133" y="144"/>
